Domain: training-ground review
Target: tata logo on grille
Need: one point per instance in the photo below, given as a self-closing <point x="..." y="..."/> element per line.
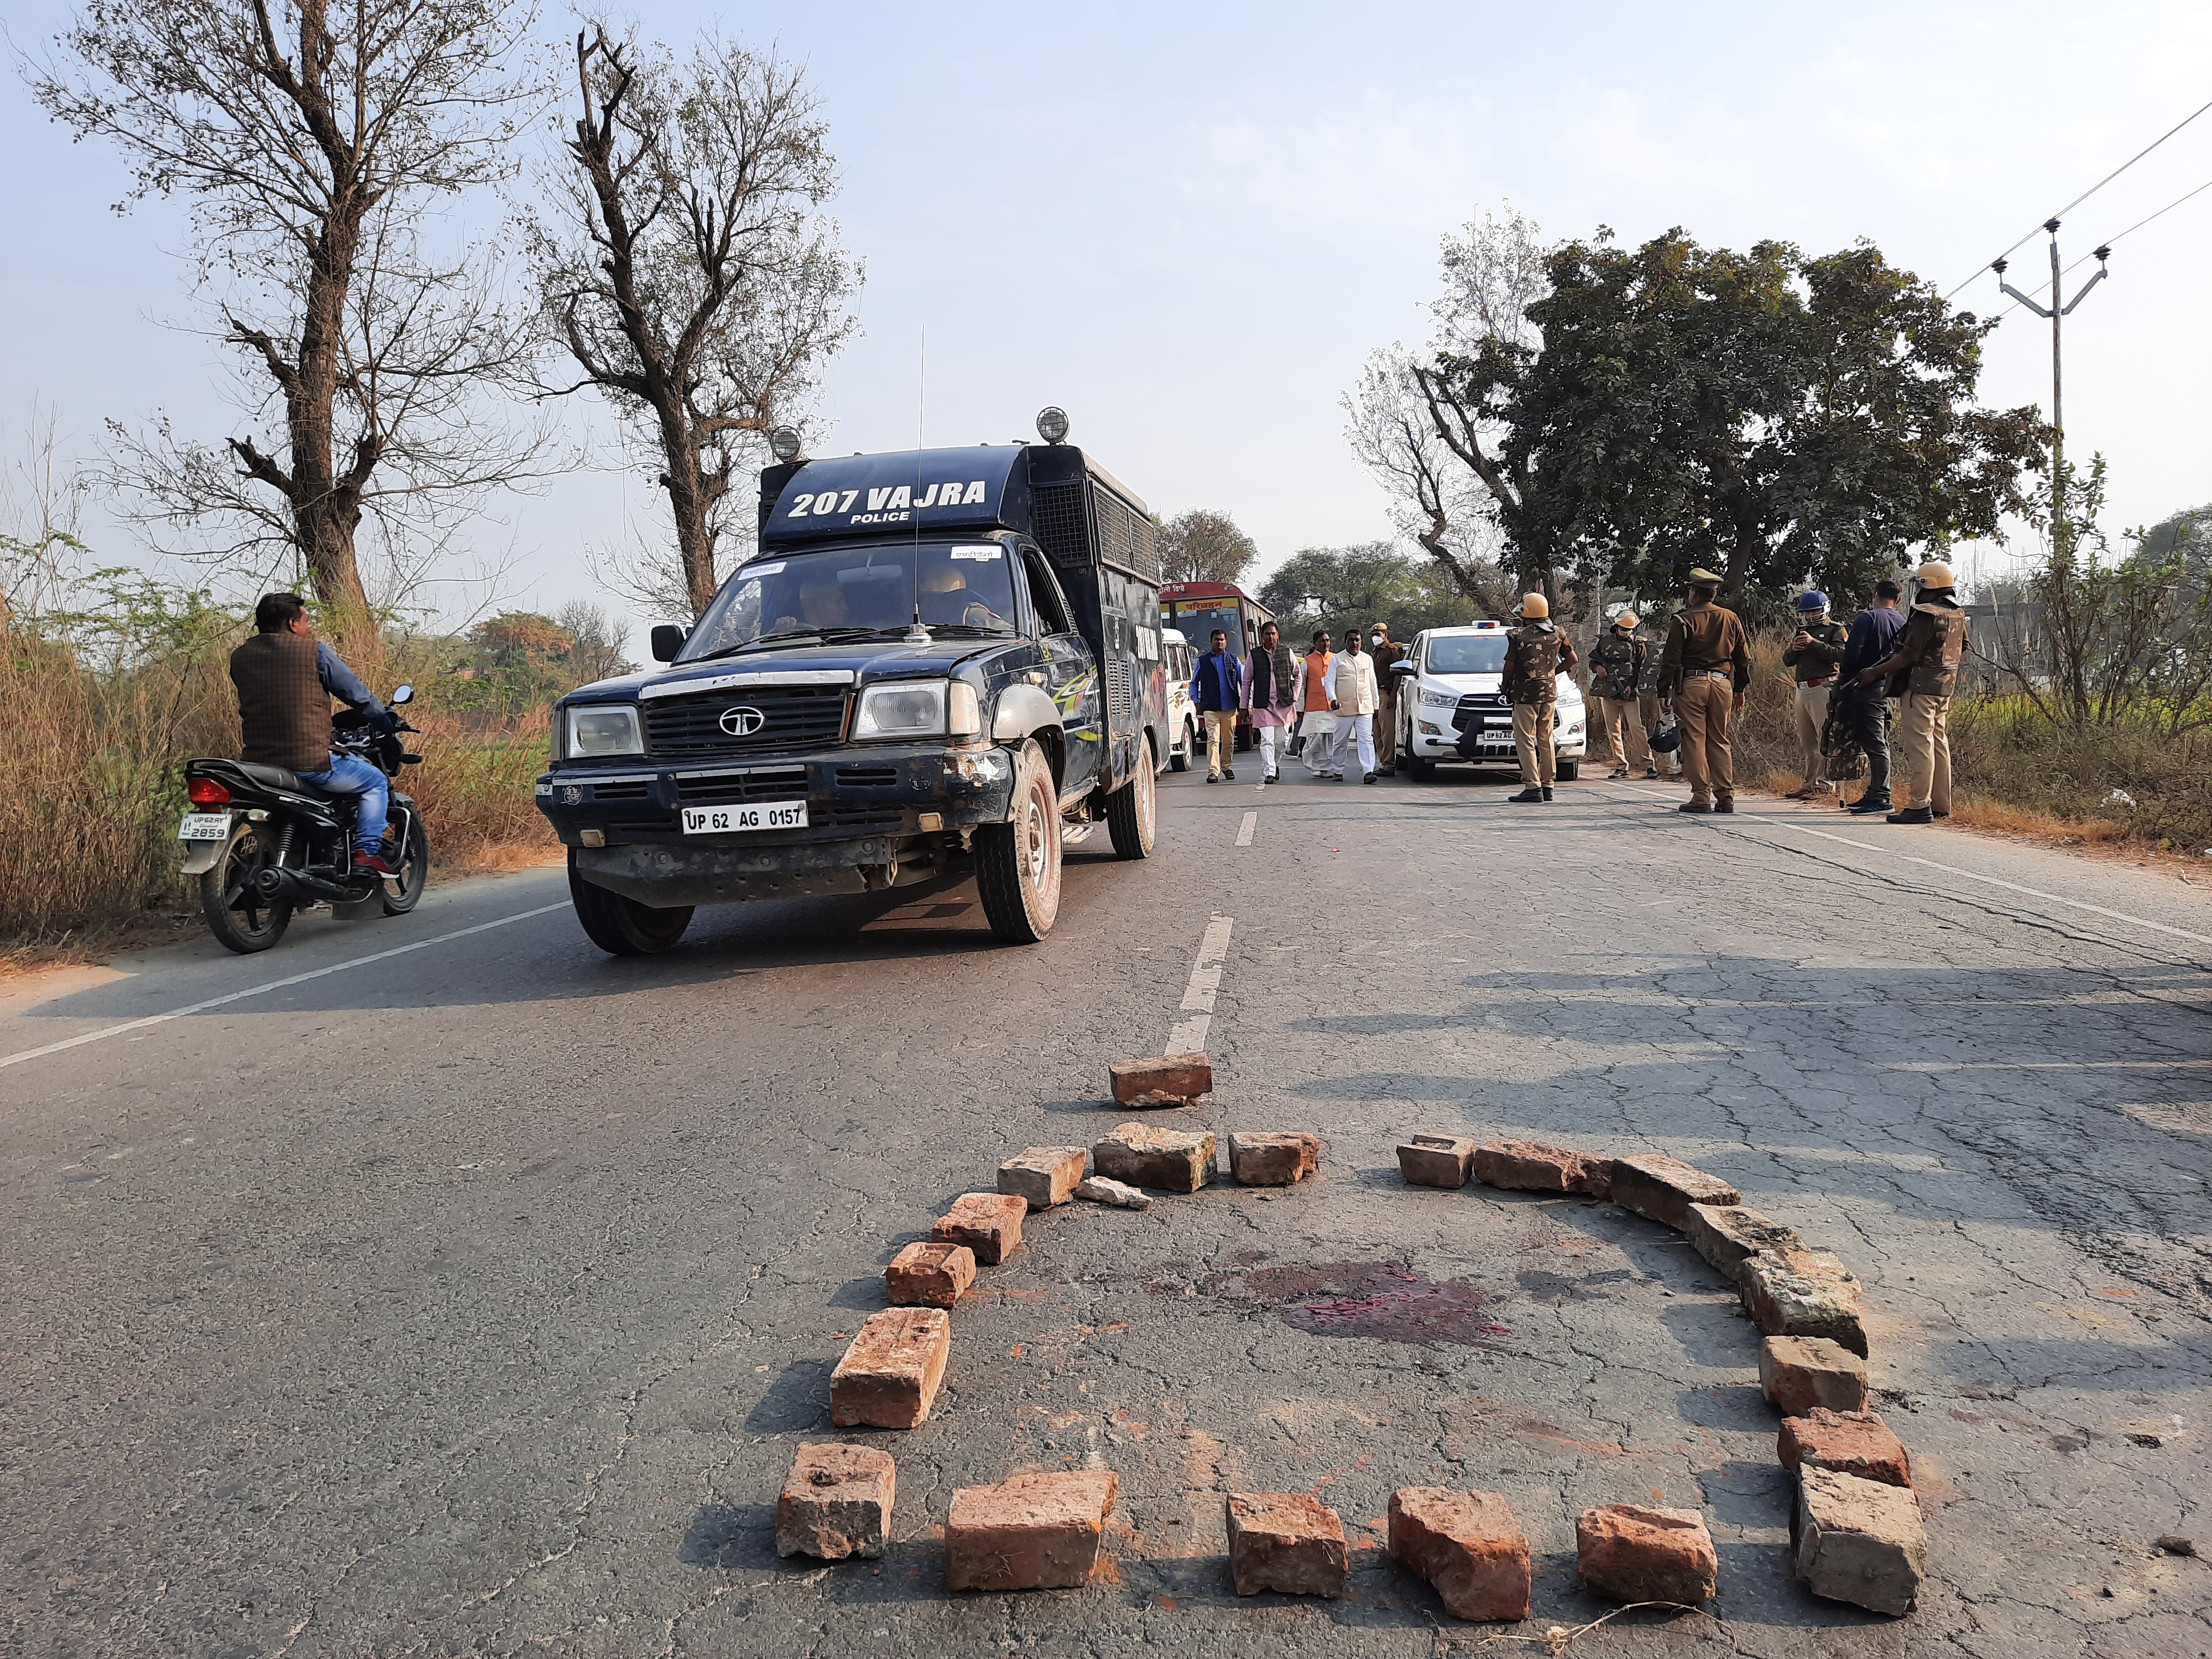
<point x="742" y="722"/>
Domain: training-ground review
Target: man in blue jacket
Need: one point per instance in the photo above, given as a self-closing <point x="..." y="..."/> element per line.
<point x="1873" y="637"/>
<point x="1217" y="688"/>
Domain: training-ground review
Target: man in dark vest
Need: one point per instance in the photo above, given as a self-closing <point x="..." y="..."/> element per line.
<point x="285" y="682"/>
<point x="1536" y="654"/>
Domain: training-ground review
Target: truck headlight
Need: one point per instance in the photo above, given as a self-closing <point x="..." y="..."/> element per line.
<point x="607" y="728"/>
<point x="904" y="709"/>
<point x="1439" y="699"/>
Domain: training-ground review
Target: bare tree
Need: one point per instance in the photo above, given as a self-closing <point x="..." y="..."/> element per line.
<point x="1203" y="545"/>
<point x="688" y="272"/>
<point x="311" y="142"/>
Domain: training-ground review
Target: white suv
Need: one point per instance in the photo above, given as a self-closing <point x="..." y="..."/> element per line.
<point x="1180" y="662"/>
<point x="1451" y="672"/>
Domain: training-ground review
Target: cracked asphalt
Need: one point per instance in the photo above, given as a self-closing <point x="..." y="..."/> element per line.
<point x="473" y="1300"/>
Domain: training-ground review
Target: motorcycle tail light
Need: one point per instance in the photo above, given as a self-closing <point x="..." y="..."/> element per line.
<point x="206" y="792"/>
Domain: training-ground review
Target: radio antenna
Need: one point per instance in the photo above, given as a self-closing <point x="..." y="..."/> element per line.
<point x="916" y="633"/>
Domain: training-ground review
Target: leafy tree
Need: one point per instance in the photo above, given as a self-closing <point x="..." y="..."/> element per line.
<point x="1344" y="587"/>
<point x="1202" y="545"/>
<point x="521" y="659"/>
<point x="314" y="143"/>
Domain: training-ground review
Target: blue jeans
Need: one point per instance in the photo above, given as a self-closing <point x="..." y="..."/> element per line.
<point x="349" y="774"/>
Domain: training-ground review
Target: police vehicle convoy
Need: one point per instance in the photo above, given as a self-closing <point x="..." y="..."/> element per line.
<point x="1452" y="706"/>
<point x="941" y="661"/>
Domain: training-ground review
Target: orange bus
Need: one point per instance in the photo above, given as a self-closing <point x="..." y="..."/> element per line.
<point x="1196" y="609"/>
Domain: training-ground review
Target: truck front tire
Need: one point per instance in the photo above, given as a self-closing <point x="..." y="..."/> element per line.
<point x="622" y="926"/>
<point x="1017" y="864"/>
<point x="1133" y="811"/>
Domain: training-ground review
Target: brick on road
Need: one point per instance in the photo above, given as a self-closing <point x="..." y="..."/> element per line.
<point x="1030" y="1532"/>
<point x="1726" y="1235"/>
<point x="1861" y="1541"/>
<point x="929" y="1273"/>
<point x="1182" y="1078"/>
<point x="1099" y="1190"/>
<point x="890" y="1374"/>
<point x="1530" y="1166"/>
<point x="1800" y="1372"/>
<point x="1043" y="1176"/>
<point x="1636" y="1552"/>
<point x="1273" y="1159"/>
<point x="1285" y="1541"/>
<point x="837" y="1503"/>
<point x="1849" y="1442"/>
<point x="1171" y="1160"/>
<point x="1468" y="1544"/>
<point x="1435" y="1160"/>
<point x="989" y="1223"/>
<point x="1652" y="1184"/>
<point x="1803" y="1293"/>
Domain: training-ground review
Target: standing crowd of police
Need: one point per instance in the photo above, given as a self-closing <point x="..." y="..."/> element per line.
<point x="1886" y="680"/>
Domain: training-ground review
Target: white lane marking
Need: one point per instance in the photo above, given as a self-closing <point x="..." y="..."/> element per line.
<point x="1189" y="1036"/>
<point x="273" y="985"/>
<point x="1245" y="829"/>
<point x="1952" y="870"/>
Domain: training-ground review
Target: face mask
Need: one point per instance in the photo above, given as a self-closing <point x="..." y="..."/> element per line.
<point x="1373" y="639"/>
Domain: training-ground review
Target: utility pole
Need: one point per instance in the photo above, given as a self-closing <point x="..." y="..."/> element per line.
<point x="2062" y="539"/>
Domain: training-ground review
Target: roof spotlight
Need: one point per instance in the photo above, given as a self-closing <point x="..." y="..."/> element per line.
<point x="785" y="443"/>
<point x="1052" y="424"/>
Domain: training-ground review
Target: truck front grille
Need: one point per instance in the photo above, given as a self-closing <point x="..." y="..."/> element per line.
<point x="710" y="724"/>
<point x="762" y="783"/>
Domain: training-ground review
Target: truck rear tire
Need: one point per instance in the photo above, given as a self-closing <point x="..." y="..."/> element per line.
<point x="622" y="926"/>
<point x="1017" y="864"/>
<point x="1133" y="811"/>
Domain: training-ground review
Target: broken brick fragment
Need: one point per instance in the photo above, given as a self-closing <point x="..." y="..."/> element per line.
<point x="929" y="1273"/>
<point x="837" y="1503"/>
<point x="1849" y="1442"/>
<point x="1801" y="1372"/>
<point x="889" y="1373"/>
<point x="1121" y="1196"/>
<point x="1468" y="1544"/>
<point x="1861" y="1541"/>
<point x="1273" y="1160"/>
<point x="1435" y="1160"/>
<point x="1030" y="1532"/>
<point x="1803" y="1293"/>
<point x="1183" y="1077"/>
<point x="1727" y="1234"/>
<point x="1043" y="1176"/>
<point x="1172" y="1160"/>
<point x="1635" y="1552"/>
<point x="1530" y="1166"/>
<point x="1285" y="1541"/>
<point x="1664" y="1188"/>
<point x="989" y="1223"/>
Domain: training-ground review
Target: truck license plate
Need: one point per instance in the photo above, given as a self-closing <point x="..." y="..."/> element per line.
<point x="729" y="820"/>
<point x="205" y="826"/>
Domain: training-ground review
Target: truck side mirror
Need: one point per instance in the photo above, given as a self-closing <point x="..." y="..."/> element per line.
<point x="668" y="640"/>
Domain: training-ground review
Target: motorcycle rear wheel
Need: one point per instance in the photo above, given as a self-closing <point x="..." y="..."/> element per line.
<point x="241" y="919"/>
<point x="414" y="871"/>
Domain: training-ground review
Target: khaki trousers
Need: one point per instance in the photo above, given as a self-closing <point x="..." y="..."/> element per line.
<point x="1532" y="737"/>
<point x="1617" y="716"/>
<point x="1648" y="706"/>
<point x="1704" y="706"/>
<point x="1220" y="739"/>
<point x="1922" y="744"/>
<point x="1386" y="734"/>
<point x="1812" y="715"/>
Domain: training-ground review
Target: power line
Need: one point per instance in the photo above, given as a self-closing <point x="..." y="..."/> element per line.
<point x="2109" y="240"/>
<point x="2094" y="188"/>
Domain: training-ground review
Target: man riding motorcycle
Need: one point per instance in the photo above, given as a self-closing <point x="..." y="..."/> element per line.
<point x="285" y="680"/>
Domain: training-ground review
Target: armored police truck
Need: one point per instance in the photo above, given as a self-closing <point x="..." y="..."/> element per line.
<point x="940" y="661"/>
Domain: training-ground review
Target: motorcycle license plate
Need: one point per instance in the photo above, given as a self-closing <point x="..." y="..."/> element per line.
<point x="731" y="820"/>
<point x="205" y="826"/>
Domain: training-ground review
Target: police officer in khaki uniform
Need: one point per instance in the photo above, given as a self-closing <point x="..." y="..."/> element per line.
<point x="1536" y="654"/>
<point x="1387" y="652"/>
<point x="1616" y="667"/>
<point x="1702" y="680"/>
<point x="1924" y="668"/>
<point x="1811" y="656"/>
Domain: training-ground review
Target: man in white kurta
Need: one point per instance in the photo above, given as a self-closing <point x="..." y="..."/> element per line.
<point x="1350" y="682"/>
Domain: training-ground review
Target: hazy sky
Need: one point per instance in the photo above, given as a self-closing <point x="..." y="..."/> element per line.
<point x="1187" y="224"/>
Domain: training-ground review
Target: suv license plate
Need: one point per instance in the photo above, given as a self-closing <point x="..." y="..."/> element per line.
<point x="205" y="826"/>
<point x="730" y="820"/>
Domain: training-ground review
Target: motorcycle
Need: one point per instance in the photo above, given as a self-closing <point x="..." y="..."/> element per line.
<point x="263" y="844"/>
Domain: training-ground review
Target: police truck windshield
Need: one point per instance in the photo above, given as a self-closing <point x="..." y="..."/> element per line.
<point x="848" y="592"/>
<point x="1467" y="653"/>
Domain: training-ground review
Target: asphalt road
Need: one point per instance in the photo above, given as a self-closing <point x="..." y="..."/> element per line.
<point x="472" y="1297"/>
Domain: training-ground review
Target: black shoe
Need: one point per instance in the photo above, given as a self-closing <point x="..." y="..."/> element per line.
<point x="1932" y="812"/>
<point x="1724" y="805"/>
<point x="1618" y="773"/>
<point x="1271" y="777"/>
<point x="1213" y="777"/>
<point x="1868" y="807"/>
<point x="1532" y="793"/>
<point x="1228" y="775"/>
<point x="1369" y="778"/>
<point x="1547" y="791"/>
<point x="1693" y="806"/>
<point x="1910" y="815"/>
